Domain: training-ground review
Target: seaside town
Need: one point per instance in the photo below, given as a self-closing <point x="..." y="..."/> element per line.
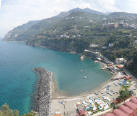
<point x="116" y="97"/>
<point x="68" y="58"/>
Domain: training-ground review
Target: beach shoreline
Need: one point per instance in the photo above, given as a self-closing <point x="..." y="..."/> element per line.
<point x="53" y="93"/>
<point x="57" y="99"/>
<point x="71" y="101"/>
<point x="57" y="94"/>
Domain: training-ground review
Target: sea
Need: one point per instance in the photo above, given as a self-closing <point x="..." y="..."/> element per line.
<point x="18" y="80"/>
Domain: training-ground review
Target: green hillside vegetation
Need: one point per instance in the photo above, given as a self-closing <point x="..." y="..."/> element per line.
<point x="6" y="111"/>
<point x="115" y="34"/>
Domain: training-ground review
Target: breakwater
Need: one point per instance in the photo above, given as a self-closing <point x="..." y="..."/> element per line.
<point x="43" y="94"/>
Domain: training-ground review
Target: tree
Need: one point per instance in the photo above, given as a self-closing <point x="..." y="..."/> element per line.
<point x="124" y="92"/>
<point x="6" y="111"/>
<point x="113" y="105"/>
<point x="30" y="114"/>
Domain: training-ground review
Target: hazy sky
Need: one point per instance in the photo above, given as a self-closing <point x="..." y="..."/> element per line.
<point x="16" y="12"/>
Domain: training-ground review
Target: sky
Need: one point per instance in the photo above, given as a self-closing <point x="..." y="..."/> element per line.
<point x="17" y="12"/>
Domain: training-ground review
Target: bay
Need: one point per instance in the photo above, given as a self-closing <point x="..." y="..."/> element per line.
<point x="18" y="81"/>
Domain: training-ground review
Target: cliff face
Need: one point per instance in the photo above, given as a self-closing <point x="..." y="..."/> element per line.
<point x="70" y="45"/>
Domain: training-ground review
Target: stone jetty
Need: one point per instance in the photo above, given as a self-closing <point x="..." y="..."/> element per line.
<point x="43" y="94"/>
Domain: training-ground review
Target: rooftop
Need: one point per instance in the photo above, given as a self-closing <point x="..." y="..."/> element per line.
<point x="126" y="109"/>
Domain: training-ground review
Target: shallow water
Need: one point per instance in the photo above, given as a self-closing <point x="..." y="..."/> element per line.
<point x="17" y="79"/>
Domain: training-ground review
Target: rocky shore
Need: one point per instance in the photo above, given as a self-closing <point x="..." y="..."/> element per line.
<point x="43" y="94"/>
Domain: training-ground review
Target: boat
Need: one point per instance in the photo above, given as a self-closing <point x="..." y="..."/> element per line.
<point x="82" y="58"/>
<point x="99" y="59"/>
<point x="85" y="77"/>
<point x="96" y="61"/>
<point x="103" y="68"/>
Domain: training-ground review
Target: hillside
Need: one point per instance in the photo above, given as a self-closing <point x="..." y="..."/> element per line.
<point x="114" y="34"/>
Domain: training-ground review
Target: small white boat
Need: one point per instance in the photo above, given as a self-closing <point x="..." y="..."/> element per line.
<point x="99" y="59"/>
<point x="85" y="77"/>
<point x="82" y="58"/>
<point x="96" y="61"/>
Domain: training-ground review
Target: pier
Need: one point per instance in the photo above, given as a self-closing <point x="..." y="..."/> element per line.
<point x="42" y="98"/>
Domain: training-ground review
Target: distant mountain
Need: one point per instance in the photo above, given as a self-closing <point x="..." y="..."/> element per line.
<point x="19" y="31"/>
<point x="86" y="10"/>
<point x="124" y="15"/>
<point x="75" y="16"/>
<point x="72" y="21"/>
<point x="93" y="11"/>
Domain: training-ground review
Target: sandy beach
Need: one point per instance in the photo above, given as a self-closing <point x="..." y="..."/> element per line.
<point x="66" y="105"/>
<point x="71" y="101"/>
<point x="56" y="101"/>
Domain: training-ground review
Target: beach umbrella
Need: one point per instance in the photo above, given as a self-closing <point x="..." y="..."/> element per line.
<point x="78" y="103"/>
<point x="61" y="102"/>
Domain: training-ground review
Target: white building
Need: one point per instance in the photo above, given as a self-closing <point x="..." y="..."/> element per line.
<point x="93" y="45"/>
<point x="111" y="45"/>
<point x="120" y="61"/>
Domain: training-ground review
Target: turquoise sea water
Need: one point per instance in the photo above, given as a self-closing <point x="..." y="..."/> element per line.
<point x="17" y="79"/>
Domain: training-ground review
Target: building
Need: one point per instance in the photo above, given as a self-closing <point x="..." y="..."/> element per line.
<point x="111" y="45"/>
<point x="135" y="41"/>
<point x="129" y="108"/>
<point x="120" y="66"/>
<point x="93" y="45"/>
<point x="120" y="61"/>
<point x="111" y="25"/>
<point x="57" y="115"/>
